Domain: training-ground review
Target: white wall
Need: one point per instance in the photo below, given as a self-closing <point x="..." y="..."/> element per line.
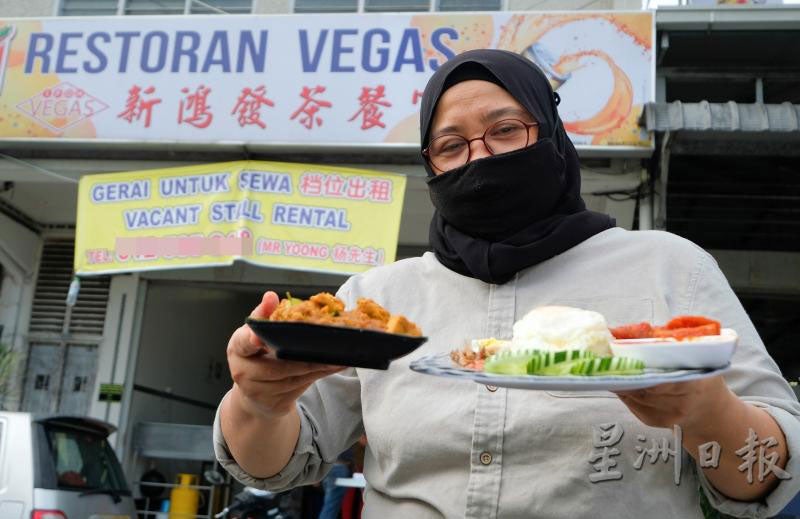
<point x="32" y="8"/>
<point x="19" y="255"/>
<point x="272" y="6"/>
<point x="116" y="352"/>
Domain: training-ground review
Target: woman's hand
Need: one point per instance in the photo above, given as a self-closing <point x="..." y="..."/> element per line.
<point x="686" y="404"/>
<point x="708" y="411"/>
<point x="267" y="386"/>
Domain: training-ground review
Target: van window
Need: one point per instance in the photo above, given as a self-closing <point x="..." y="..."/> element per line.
<point x="83" y="461"/>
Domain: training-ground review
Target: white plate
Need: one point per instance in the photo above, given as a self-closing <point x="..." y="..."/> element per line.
<point x="442" y="366"/>
<point x="711" y="351"/>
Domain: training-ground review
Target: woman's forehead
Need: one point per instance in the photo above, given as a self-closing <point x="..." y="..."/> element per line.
<point x="473" y="92"/>
<point x="475" y="100"/>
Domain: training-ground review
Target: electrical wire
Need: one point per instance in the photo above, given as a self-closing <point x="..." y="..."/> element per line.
<point x="40" y="169"/>
<point x="622" y="195"/>
<point x="211" y="7"/>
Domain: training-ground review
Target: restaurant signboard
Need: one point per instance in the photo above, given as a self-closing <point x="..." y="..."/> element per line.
<point x="304" y="79"/>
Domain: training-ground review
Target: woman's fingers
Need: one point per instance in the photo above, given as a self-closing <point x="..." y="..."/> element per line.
<point x="266" y="369"/>
<point x="243" y="344"/>
<point x="285" y="403"/>
<point x="281" y="372"/>
<point x="271" y="385"/>
<point x="268" y="304"/>
<point x="286" y="386"/>
<point x="279" y="397"/>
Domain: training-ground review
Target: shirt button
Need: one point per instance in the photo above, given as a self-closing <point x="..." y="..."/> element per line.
<point x="486" y="458"/>
<point x="492" y="388"/>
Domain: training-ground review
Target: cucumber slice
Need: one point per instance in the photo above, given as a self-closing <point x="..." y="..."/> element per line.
<point x="607" y="366"/>
<point x="510" y="363"/>
<point x="560" y="363"/>
<point x="556" y="362"/>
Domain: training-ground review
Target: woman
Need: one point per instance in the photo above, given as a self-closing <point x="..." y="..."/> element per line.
<point x="511" y="233"/>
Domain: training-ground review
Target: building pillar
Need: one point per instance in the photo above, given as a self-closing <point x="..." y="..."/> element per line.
<point x="116" y="361"/>
<point x="20" y="249"/>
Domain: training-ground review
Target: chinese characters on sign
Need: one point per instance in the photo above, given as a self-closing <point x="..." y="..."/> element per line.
<point x="606" y="438"/>
<point x="371" y="99"/>
<point x="248" y="106"/>
<point x="138" y="105"/>
<point x="351" y="188"/>
<point x="311" y="105"/>
<point x="194" y="107"/>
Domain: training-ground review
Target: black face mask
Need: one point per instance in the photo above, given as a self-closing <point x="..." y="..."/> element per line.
<point x="501" y="214"/>
<point x="494" y="197"/>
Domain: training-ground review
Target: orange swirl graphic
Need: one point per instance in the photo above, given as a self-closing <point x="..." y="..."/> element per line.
<point x="523" y="29"/>
<point x="617" y="107"/>
<point x="617" y="121"/>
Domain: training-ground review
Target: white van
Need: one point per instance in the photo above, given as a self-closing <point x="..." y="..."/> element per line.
<point x="60" y="467"/>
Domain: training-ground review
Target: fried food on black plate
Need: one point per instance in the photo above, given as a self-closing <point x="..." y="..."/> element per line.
<point x="327" y="309"/>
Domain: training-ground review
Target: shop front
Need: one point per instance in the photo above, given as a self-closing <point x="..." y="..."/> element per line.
<point x="178" y="167"/>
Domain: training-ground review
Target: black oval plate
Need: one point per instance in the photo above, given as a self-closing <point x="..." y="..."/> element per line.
<point x="338" y="345"/>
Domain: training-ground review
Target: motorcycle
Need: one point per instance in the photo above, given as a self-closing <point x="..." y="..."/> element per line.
<point x="252" y="503"/>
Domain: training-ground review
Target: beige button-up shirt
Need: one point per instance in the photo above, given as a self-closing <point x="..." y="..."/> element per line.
<point x="448" y="448"/>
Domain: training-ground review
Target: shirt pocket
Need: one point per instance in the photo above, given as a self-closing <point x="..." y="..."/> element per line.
<point x="617" y="311"/>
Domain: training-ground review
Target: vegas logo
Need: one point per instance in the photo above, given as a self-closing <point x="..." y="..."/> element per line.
<point x="62" y="106"/>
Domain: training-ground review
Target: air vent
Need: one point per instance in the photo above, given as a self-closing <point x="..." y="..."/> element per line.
<point x="89" y="312"/>
<point x="155" y="6"/>
<point x="49" y="303"/>
<point x="88" y="7"/>
<point x="735" y="203"/>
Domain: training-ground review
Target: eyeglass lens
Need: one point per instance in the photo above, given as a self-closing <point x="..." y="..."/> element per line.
<point x="451" y="151"/>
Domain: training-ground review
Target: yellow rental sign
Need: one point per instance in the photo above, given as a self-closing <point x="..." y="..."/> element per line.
<point x="293" y="216"/>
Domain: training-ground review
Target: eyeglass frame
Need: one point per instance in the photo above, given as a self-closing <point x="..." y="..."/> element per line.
<point x="427" y="154"/>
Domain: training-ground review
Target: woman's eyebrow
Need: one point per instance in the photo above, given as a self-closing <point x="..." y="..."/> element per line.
<point x="502" y="112"/>
<point x="453" y="128"/>
<point x="492" y="115"/>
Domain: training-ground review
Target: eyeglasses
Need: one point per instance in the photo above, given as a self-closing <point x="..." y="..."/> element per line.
<point x="451" y="151"/>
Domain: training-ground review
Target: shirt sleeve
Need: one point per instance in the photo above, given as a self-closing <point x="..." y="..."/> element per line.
<point x="755" y="378"/>
<point x="330" y="422"/>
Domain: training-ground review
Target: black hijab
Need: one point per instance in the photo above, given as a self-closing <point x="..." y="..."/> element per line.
<point x="497" y="259"/>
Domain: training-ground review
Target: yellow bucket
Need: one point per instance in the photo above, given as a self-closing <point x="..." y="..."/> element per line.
<point x="183" y="500"/>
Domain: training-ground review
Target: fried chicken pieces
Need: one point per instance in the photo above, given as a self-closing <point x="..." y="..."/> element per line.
<point x="327" y="309"/>
<point x="474" y="354"/>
